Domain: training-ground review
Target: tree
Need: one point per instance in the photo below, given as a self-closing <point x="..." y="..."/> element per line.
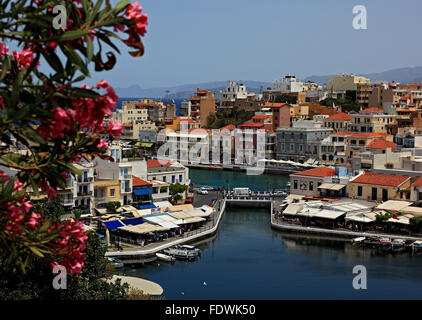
<point x="57" y="121"/>
<point x="284" y="98"/>
<point x="112" y="206"/>
<point x="176" y="189"/>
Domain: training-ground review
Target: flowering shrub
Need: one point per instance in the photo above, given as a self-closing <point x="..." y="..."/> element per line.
<point x="52" y="117"/>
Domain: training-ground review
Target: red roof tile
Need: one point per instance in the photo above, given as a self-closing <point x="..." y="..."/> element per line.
<point x="317" y="172"/>
<point x="157" y="163"/>
<point x="275" y="105"/>
<point x="137" y="182"/>
<point x="342" y="116"/>
<point x="228" y="127"/>
<point x="418" y="182"/>
<point x="381" y="144"/>
<point x="380" y="179"/>
<point x="373" y="110"/>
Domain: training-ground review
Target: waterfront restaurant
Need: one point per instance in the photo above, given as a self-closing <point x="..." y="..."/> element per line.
<point x="319" y="213"/>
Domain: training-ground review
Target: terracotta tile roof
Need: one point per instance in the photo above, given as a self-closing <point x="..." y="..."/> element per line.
<point x="255" y="125"/>
<point x="260" y="116"/>
<point x="342" y="116"/>
<point x="373" y="110"/>
<point x="418" y="182"/>
<point x="156" y="163"/>
<point x="229" y="127"/>
<point x="317" y="172"/>
<point x="381" y="144"/>
<point x="137" y="182"/>
<point x="380" y="179"/>
<point x="273" y="104"/>
<point x="405" y="98"/>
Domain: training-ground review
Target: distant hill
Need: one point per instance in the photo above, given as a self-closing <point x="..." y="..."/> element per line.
<point x="186" y="90"/>
<point x="403" y="75"/>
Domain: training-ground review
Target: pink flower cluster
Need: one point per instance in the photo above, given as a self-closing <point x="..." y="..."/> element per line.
<point x="88" y="113"/>
<point x="67" y="249"/>
<point x="134" y="12"/>
<point x="17" y="211"/>
<point x="4" y="50"/>
<point x="1" y="103"/>
<point x="70" y="246"/>
<point x="24" y="58"/>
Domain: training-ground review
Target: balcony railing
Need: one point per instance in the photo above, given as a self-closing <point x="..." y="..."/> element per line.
<point x="85" y="180"/>
<point x="126" y="190"/>
<point x="84" y="194"/>
<point x="67" y="201"/>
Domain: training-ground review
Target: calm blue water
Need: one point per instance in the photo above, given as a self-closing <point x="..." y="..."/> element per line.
<point x="249" y="260"/>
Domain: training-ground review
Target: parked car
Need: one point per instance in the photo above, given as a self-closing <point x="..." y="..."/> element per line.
<point x="202" y="191"/>
<point x="279" y="193"/>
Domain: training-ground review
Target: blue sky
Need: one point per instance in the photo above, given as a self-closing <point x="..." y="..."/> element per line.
<point x="191" y="41"/>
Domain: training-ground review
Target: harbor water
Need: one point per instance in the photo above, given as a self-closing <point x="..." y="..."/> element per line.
<point x="246" y="259"/>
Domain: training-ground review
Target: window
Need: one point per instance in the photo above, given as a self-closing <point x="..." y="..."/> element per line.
<point x="164" y="178"/>
<point x="360" y="191"/>
<point x="180" y="178"/>
<point x="311" y="185"/>
<point x="112" y="192"/>
<point x="295" y="184"/>
<point x="173" y="178"/>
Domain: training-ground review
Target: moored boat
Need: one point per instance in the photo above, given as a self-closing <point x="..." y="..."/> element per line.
<point x="165" y="257"/>
<point x="180" y="253"/>
<point x="358" y="241"/>
<point x="398" y="245"/>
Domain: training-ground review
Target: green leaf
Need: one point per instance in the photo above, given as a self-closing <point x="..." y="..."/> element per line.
<point x="83" y="93"/>
<point x="32" y="135"/>
<point x="71" y="168"/>
<point x="36" y="251"/>
<point x="53" y="60"/>
<point x="89" y="48"/>
<point x="75" y="59"/>
<point x="71" y="35"/>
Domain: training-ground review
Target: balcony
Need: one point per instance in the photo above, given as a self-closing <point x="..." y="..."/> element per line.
<point x="127" y="190"/>
<point x="85" y="180"/>
<point x="85" y="194"/>
<point x="67" y="201"/>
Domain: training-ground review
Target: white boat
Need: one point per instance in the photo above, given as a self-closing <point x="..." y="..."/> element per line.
<point x="165" y="257"/>
<point x="183" y="252"/>
<point x="358" y="240"/>
<point x="398" y="245"/>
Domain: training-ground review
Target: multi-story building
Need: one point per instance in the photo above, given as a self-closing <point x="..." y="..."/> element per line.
<point x="345" y="82"/>
<point x="338" y="122"/>
<point x="371" y="120"/>
<point x="301" y="141"/>
<point x="288" y="84"/>
<point x="185" y="108"/>
<point x="202" y="105"/>
<point x="105" y="190"/>
<point x="333" y="150"/>
<point x="131" y="130"/>
<point x="83" y="192"/>
<point x="306" y="183"/>
<point x="232" y="92"/>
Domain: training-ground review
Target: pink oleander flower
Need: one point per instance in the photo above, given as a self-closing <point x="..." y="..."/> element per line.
<point x="4" y="50"/>
<point x="114" y="128"/>
<point x="134" y="12"/>
<point x="24" y="58"/>
<point x="2" y="106"/>
<point x="102" y="144"/>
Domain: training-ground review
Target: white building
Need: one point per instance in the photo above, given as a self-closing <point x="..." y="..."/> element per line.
<point x="233" y="91"/>
<point x="288" y="84"/>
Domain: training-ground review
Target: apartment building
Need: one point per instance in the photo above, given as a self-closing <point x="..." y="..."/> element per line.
<point x="202" y="105"/>
<point x="301" y="141"/>
<point x="345" y="82"/>
<point x="338" y="122"/>
<point x="371" y="120"/>
<point x="232" y="92"/>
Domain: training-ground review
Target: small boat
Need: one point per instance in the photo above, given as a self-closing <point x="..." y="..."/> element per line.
<point x="115" y="262"/>
<point x="385" y="244"/>
<point x="358" y="241"/>
<point x="398" y="245"/>
<point x="417" y="246"/>
<point x="190" y="249"/>
<point x="180" y="253"/>
<point x="165" y="257"/>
